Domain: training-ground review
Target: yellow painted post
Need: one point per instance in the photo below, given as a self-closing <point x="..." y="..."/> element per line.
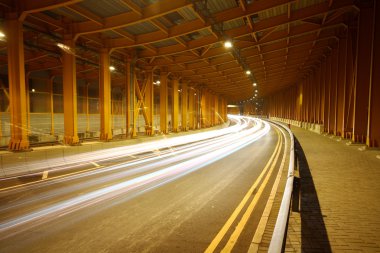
<point x="164" y="102"/>
<point x="175" y="102"/>
<point x="16" y="75"/>
<point x="149" y="103"/>
<point x="184" y="107"/>
<point x="105" y="95"/>
<point x="70" y="93"/>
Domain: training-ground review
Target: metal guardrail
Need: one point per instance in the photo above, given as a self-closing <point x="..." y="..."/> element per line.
<point x="278" y="237"/>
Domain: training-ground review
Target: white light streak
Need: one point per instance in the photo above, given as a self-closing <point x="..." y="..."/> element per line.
<point x="200" y="150"/>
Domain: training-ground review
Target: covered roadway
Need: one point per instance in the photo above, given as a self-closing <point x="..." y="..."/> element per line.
<point x="153" y="125"/>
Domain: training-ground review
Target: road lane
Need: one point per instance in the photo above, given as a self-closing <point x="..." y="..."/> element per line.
<point x="180" y="216"/>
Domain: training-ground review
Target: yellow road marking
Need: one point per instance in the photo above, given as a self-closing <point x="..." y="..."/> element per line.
<point x="258" y="236"/>
<point x="236" y="212"/>
<point x="239" y="228"/>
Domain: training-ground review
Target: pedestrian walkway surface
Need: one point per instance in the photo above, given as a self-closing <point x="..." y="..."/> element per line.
<point x="340" y="190"/>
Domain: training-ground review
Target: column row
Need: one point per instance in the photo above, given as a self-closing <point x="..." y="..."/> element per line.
<point x="340" y="92"/>
<point x="139" y="96"/>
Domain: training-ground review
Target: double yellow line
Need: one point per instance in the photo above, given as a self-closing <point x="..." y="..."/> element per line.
<point x="243" y="221"/>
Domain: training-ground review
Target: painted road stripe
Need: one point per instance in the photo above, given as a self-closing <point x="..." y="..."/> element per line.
<point x="215" y="242"/>
<point x="258" y="236"/>
<point x="243" y="221"/>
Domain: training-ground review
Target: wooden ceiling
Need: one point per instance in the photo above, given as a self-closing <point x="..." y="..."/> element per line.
<point x="279" y="41"/>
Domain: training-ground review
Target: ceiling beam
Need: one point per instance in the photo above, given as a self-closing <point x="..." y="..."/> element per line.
<point x="28" y="7"/>
<point x="150" y="12"/>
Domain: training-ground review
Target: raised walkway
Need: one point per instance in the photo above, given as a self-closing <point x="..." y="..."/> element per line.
<point x="339" y="201"/>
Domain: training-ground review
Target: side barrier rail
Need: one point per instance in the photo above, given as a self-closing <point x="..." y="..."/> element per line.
<point x="278" y="238"/>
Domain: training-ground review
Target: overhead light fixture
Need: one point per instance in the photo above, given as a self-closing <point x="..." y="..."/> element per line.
<point x="256" y="91"/>
<point x="65" y="48"/>
<point x="248" y="72"/>
<point x="2" y="35"/>
<point x="255" y="95"/>
<point x="33" y="90"/>
<point x="227" y="44"/>
<point x="112" y="68"/>
<point x="255" y="84"/>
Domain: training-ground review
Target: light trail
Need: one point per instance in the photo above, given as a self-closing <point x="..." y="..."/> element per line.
<point x="74" y="161"/>
<point x="151" y="172"/>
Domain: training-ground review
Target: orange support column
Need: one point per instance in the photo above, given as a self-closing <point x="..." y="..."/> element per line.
<point x="373" y="133"/>
<point x="51" y="103"/>
<point x="184" y="113"/>
<point x="198" y="112"/>
<point x="216" y="110"/>
<point x="333" y="90"/>
<point x="306" y="99"/>
<point x="350" y="79"/>
<point x="318" y="96"/>
<point x="105" y="96"/>
<point x="328" y="94"/>
<point x="164" y="102"/>
<point x="191" y="109"/>
<point x="175" y="105"/>
<point x="70" y="93"/>
<point x="323" y="93"/>
<point x="224" y="108"/>
<point x="299" y="103"/>
<point x="341" y="87"/>
<point x="212" y="109"/>
<point x="130" y="98"/>
<point x="363" y="73"/>
<point x="17" y="94"/>
<point x="221" y="110"/>
<point x="87" y="107"/>
<point x="149" y="103"/>
<point x="203" y="110"/>
<point x="209" y="109"/>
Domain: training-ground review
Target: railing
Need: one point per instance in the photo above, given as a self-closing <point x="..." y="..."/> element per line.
<point x="279" y="233"/>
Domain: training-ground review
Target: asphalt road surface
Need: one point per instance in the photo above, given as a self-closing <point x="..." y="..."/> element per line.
<point x="171" y="199"/>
